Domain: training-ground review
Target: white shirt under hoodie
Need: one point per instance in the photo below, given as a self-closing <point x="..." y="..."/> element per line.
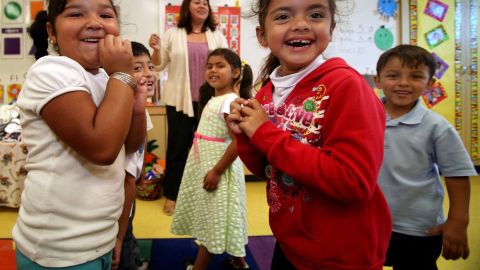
<point x="285" y="84"/>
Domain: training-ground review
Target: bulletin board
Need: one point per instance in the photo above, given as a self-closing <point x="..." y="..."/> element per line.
<point x="365" y="29"/>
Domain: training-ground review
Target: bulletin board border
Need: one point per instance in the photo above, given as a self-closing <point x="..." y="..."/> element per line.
<point x="458" y="66"/>
<point x="474" y="79"/>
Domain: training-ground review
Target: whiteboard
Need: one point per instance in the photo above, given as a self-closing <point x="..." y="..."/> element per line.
<point x="353" y="38"/>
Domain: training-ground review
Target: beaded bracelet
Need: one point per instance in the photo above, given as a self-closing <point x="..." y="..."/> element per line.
<point x="125" y="78"/>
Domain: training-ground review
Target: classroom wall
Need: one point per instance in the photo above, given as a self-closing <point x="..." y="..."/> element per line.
<point x="139" y="21"/>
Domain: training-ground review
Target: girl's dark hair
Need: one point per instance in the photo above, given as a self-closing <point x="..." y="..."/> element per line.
<point x="260" y="10"/>
<point x="138" y="49"/>
<point x="245" y="78"/>
<point x="38" y="32"/>
<point x="411" y="56"/>
<point x="185" y="18"/>
<point x="38" y="29"/>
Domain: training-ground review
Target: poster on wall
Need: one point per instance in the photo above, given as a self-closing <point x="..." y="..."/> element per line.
<point x="11" y="43"/>
<point x="172" y="13"/>
<point x="227" y="18"/>
<point x="229" y="24"/>
<point x="13" y="11"/>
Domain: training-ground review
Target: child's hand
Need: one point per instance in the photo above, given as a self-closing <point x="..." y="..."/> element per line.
<point x="211" y="180"/>
<point x="455" y="242"/>
<point x="253" y="116"/>
<point x="235" y="116"/>
<point x="116" y="55"/>
<point x="154" y="42"/>
<point x="140" y="97"/>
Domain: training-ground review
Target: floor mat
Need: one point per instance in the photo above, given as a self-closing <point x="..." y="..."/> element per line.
<point x="172" y="253"/>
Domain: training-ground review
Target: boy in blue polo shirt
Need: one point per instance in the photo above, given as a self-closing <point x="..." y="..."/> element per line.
<point x="418" y="144"/>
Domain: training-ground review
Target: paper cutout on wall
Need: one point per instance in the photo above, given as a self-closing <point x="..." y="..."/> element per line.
<point x="1" y="94"/>
<point x="387" y="8"/>
<point x="442" y="66"/>
<point x="13" y="91"/>
<point x="434" y="95"/>
<point x="436" y="36"/>
<point x="35" y="7"/>
<point x="13" y="11"/>
<point x="436" y="9"/>
<point x="383" y="38"/>
<point x="12" y="42"/>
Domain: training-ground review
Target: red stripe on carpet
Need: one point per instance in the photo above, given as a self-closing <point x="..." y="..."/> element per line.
<point x="7" y="253"/>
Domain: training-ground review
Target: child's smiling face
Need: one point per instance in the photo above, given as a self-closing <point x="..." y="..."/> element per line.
<point x="296" y="31"/>
<point x="143" y="68"/>
<point x="402" y="85"/>
<point x="80" y="27"/>
<point x="219" y="73"/>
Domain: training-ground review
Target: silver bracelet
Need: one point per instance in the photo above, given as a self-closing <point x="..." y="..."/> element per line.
<point x="125" y="78"/>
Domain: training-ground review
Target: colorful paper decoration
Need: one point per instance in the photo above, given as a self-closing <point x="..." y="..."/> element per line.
<point x="1" y="94"/>
<point x="442" y="66"/>
<point x="436" y="9"/>
<point x="387" y="8"/>
<point x="436" y="36"/>
<point x="383" y="38"/>
<point x="433" y="95"/>
<point x="13" y="11"/>
<point x="12" y="91"/>
<point x="35" y="7"/>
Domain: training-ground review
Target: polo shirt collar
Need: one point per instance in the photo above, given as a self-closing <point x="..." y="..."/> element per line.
<point x="413" y="117"/>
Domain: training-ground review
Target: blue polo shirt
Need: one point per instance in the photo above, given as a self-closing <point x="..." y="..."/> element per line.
<point x="418" y="145"/>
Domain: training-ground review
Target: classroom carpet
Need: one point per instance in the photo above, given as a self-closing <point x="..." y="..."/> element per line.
<point x="151" y="227"/>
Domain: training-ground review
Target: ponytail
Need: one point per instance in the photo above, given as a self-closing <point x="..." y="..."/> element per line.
<point x="246" y="80"/>
<point x="39" y="34"/>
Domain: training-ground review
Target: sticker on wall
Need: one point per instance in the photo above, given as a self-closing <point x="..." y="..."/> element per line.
<point x="434" y="95"/>
<point x="13" y="11"/>
<point x="383" y="38"/>
<point x="436" y="9"/>
<point x="13" y="91"/>
<point x="387" y="8"/>
<point x="11" y="42"/>
<point x="436" y="36"/>
<point x="442" y="66"/>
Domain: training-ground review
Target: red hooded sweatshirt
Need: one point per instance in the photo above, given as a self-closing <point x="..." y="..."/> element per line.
<point x="321" y="152"/>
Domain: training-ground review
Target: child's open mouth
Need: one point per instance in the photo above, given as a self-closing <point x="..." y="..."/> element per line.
<point x="299" y="43"/>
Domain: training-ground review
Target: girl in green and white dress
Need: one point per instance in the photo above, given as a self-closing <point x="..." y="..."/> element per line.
<point x="211" y="205"/>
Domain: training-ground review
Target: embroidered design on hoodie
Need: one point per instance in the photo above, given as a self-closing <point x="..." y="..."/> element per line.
<point x="304" y="123"/>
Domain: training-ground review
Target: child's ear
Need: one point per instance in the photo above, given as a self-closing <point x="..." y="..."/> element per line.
<point x="261" y="37"/>
<point x="51" y="34"/>
<point x="236" y="73"/>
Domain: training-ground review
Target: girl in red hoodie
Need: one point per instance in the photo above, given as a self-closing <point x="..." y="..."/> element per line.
<point x="315" y="132"/>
